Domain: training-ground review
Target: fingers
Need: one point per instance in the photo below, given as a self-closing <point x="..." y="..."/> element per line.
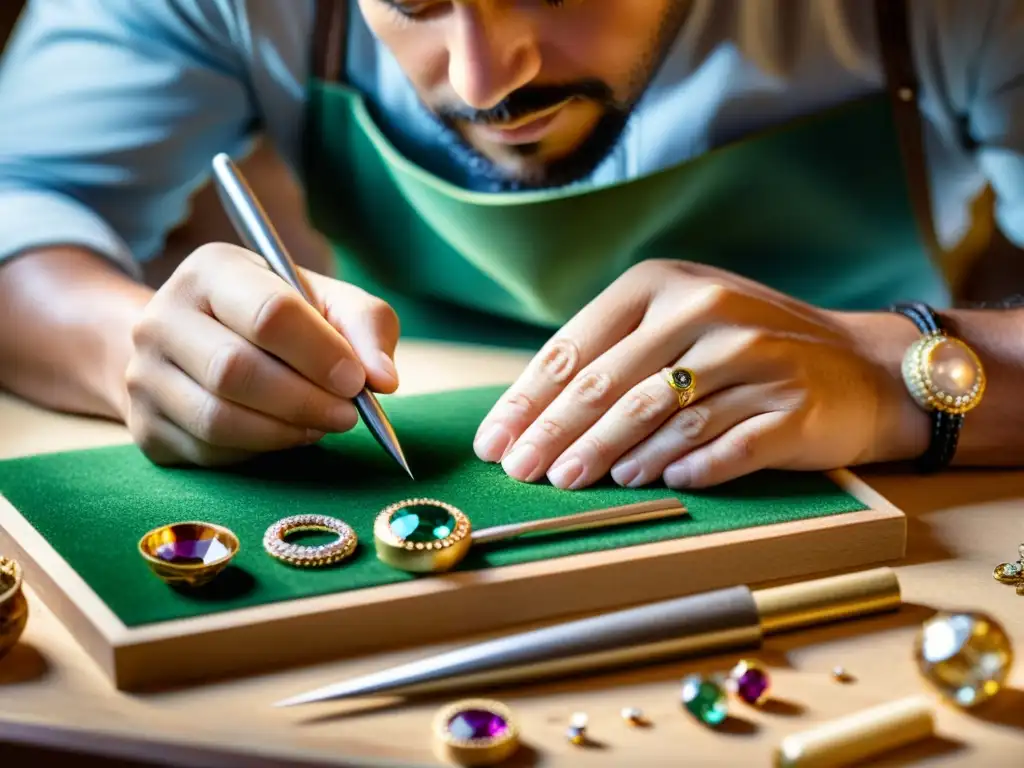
<point x="228" y="367"/>
<point x="261" y="308"/>
<point x="760" y="442"/>
<point x="688" y="429"/>
<point x="162" y="392"/>
<point x="588" y="427"/>
<point x="601" y="325"/>
<point x="370" y="325"/>
<point x="167" y="444"/>
<point x="586" y="400"/>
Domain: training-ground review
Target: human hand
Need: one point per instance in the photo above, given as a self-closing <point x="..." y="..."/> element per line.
<point x="779" y="384"/>
<point x="230" y="361"/>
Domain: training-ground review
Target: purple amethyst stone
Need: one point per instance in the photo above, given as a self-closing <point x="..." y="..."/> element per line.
<point x="474" y="724"/>
<point x="750" y="683"/>
<point x="192" y="552"/>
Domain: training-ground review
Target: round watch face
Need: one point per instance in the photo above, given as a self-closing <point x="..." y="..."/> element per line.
<point x="944" y="374"/>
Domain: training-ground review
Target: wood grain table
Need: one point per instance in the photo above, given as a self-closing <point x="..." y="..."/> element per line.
<point x="54" y="703"/>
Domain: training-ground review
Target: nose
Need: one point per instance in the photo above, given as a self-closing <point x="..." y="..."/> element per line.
<point x="490" y="56"/>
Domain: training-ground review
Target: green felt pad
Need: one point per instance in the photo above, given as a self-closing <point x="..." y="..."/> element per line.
<point x="93" y="507"/>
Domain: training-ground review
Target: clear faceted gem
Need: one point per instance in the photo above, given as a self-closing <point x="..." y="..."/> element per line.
<point x="422" y="524"/>
<point x="474" y="724"/>
<point x="705" y="699"/>
<point x="965" y="656"/>
<point x="632" y="714"/>
<point x="952" y="370"/>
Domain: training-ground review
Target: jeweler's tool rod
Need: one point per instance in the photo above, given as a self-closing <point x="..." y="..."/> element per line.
<point x="722" y="619"/>
<point x="253" y="225"/>
<point x="596" y="518"/>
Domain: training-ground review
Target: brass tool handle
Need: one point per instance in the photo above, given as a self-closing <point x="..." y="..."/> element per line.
<point x="812" y="603"/>
<point x="597" y="518"/>
<point x="857" y="737"/>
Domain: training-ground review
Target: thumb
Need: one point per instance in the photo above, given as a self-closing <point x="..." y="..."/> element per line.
<point x="369" y="324"/>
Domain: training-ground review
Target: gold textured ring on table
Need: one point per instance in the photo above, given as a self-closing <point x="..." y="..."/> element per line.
<point x="275" y="544"/>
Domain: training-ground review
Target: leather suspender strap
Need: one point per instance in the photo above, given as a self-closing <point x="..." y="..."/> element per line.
<point x="329" y="29"/>
<point x="901" y="78"/>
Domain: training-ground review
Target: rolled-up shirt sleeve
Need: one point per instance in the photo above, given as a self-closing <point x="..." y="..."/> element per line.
<point x="996" y="114"/>
<point x="109" y="115"/>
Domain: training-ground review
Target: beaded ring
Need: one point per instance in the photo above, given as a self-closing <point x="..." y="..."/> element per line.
<point x="304" y="556"/>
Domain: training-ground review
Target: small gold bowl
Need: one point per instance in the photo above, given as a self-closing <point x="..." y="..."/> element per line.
<point x="190" y="553"/>
<point x="13" y="605"/>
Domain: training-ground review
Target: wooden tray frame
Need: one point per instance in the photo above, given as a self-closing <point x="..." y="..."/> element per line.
<point x="446" y="607"/>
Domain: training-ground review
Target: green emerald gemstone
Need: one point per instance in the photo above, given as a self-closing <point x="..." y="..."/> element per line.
<point x="705" y="699"/>
<point x="422" y="524"/>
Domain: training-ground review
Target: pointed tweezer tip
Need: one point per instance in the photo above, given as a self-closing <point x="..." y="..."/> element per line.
<point x="403" y="464"/>
<point x="293" y="701"/>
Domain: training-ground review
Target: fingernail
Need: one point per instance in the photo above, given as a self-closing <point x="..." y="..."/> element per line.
<point x="314" y="436"/>
<point x="387" y="365"/>
<point x="626" y="473"/>
<point x="493" y="443"/>
<point x="564" y="474"/>
<point x="347" y="378"/>
<point x="522" y="462"/>
<point x="677" y="475"/>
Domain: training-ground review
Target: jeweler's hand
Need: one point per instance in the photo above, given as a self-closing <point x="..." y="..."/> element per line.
<point x="778" y="384"/>
<point x="230" y="361"/>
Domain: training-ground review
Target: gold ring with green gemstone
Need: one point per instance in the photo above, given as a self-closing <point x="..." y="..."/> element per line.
<point x="422" y="535"/>
<point x="682" y="381"/>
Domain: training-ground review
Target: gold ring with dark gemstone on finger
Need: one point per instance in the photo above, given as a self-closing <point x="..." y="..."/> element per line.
<point x="682" y="381"/>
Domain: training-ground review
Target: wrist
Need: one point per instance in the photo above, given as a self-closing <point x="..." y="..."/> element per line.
<point x="69" y="331"/>
<point x="902" y="429"/>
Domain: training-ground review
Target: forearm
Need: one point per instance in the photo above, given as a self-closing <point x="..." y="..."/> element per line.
<point x="993" y="432"/>
<point x="66" y="319"/>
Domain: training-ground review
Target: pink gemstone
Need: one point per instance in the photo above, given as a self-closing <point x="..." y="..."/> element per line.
<point x="477" y="724"/>
<point x="953" y="371"/>
<point x="752" y="685"/>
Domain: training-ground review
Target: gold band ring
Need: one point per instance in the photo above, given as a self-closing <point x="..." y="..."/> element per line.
<point x="324" y="554"/>
<point x="682" y="381"/>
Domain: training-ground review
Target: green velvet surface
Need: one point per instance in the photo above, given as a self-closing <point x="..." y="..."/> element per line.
<point x="93" y="506"/>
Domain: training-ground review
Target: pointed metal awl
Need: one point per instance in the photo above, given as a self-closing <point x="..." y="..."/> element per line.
<point x="254" y="228"/>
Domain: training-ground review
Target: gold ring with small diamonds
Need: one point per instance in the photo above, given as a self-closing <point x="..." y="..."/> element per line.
<point x="682" y="382"/>
<point x="309" y="556"/>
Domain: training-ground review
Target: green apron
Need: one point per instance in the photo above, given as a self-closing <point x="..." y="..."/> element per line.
<point x="818" y="209"/>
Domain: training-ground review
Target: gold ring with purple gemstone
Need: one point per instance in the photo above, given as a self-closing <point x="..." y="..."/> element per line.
<point x="682" y="381"/>
<point x="475" y="732"/>
<point x="274" y="541"/>
<point x="422" y="535"/>
<point x="190" y="553"/>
